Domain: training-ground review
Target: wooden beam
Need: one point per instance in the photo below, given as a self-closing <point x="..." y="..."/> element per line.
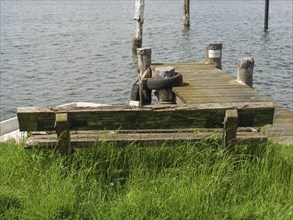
<point x="63" y="134"/>
<point x="153" y="138"/>
<point x="148" y="117"/>
<point x="230" y="129"/>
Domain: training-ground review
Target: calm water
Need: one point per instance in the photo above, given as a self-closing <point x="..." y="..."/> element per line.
<point x="54" y="52"/>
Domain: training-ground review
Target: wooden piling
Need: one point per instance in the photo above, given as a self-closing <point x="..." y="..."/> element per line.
<point x="214" y="54"/>
<point x="166" y="95"/>
<point x="266" y="22"/>
<point x="144" y="56"/>
<point x="186" y="13"/>
<point x="245" y="71"/>
<point x="139" y="18"/>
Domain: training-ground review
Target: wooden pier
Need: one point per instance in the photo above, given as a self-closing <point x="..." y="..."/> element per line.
<point x="208" y="99"/>
<point x="205" y="84"/>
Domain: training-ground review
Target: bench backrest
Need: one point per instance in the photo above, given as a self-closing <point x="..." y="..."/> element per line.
<point x="148" y="117"/>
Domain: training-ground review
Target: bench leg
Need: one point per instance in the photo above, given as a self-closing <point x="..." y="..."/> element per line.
<point x="63" y="134"/>
<point x="230" y="129"/>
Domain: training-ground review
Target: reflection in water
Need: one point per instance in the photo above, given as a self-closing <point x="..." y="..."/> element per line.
<point x="266" y="36"/>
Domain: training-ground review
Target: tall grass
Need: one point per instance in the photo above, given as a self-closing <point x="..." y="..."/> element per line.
<point x="192" y="181"/>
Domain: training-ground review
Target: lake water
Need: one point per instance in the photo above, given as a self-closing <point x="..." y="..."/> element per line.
<point x="55" y="52"/>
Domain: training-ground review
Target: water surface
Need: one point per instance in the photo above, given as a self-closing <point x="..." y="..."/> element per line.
<point x="54" y="52"/>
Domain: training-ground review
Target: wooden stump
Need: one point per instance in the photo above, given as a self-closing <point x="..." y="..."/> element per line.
<point x="166" y="95"/>
<point x="214" y="55"/>
<point x="245" y="71"/>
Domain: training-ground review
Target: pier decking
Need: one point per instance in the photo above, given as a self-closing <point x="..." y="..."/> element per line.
<point x="205" y="84"/>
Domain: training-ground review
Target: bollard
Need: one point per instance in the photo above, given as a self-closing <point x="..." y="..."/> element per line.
<point x="144" y="56"/>
<point x="214" y="55"/>
<point x="166" y="95"/>
<point x="245" y="71"/>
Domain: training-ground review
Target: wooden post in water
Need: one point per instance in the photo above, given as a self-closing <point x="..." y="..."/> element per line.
<point x="245" y="71"/>
<point x="166" y="95"/>
<point x="186" y="13"/>
<point x="144" y="56"/>
<point x="139" y="18"/>
<point x="266" y="23"/>
<point x="214" y="55"/>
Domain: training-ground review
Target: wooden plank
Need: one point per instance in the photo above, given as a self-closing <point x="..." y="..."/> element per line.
<point x="282" y="128"/>
<point x="34" y="118"/>
<point x="203" y="84"/>
<point x="240" y="96"/>
<point x="149" y="117"/>
<point x="219" y="99"/>
<point x="210" y="91"/>
<point x="87" y="138"/>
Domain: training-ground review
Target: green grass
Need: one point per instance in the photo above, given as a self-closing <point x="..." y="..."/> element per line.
<point x="187" y="182"/>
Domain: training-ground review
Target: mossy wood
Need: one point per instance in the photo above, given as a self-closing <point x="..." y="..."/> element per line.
<point x="65" y="120"/>
<point x="141" y="138"/>
<point x="149" y="117"/>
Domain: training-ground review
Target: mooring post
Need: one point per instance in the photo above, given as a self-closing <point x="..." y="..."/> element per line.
<point x="144" y="56"/>
<point x="186" y="13"/>
<point x="214" y="54"/>
<point x="245" y="71"/>
<point x="165" y="95"/>
<point x="139" y="18"/>
<point x="266" y="23"/>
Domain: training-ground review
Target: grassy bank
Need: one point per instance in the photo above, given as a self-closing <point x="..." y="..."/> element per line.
<point x="187" y="182"/>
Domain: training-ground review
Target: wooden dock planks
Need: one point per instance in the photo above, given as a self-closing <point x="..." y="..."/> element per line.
<point x="282" y="128"/>
<point x="206" y="84"/>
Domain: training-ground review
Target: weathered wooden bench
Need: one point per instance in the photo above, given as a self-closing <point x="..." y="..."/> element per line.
<point x="70" y="127"/>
